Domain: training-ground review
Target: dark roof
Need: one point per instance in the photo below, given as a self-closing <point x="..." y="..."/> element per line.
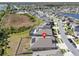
<point x="44" y="43"/>
<point x="77" y="28"/>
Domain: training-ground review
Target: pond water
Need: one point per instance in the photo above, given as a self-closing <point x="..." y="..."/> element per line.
<point x="3" y="6"/>
<point x="71" y="15"/>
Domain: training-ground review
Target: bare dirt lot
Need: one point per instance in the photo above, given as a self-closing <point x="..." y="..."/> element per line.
<point x="16" y="20"/>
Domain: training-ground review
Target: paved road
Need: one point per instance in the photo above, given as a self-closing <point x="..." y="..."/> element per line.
<point x="65" y="39"/>
<point x="48" y="53"/>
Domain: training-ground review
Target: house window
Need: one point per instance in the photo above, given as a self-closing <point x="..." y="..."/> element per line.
<point x="33" y="40"/>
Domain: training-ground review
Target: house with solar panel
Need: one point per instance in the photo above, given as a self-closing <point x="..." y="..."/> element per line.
<point x="40" y="43"/>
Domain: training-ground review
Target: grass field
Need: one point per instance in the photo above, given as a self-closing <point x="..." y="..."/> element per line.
<point x="14" y="41"/>
<point x="77" y="41"/>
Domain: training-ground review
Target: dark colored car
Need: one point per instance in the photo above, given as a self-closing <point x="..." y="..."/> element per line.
<point x="72" y="43"/>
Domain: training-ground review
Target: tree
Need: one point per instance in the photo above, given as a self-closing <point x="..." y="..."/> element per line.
<point x="3" y="41"/>
<point x="8" y="9"/>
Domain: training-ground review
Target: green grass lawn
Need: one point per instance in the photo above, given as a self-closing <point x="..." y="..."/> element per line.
<point x="70" y="32"/>
<point x="68" y="29"/>
<point x="14" y="40"/>
<point x="77" y="41"/>
<point x="63" y="51"/>
<point x="8" y="52"/>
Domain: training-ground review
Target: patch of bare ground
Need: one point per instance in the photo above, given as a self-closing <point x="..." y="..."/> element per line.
<point x="16" y="20"/>
<point x="24" y="47"/>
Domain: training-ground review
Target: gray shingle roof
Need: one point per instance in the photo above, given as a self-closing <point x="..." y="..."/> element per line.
<point x="40" y="42"/>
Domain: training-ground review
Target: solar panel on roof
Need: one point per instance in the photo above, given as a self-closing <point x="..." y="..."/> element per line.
<point x="33" y="40"/>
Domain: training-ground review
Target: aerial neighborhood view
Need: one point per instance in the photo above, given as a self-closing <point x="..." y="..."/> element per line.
<point x="39" y="29"/>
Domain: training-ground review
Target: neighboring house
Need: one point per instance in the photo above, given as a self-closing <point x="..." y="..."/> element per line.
<point x="44" y="28"/>
<point x="77" y="31"/>
<point x="48" y="31"/>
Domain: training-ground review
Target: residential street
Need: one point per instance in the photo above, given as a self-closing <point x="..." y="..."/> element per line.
<point x="65" y="39"/>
